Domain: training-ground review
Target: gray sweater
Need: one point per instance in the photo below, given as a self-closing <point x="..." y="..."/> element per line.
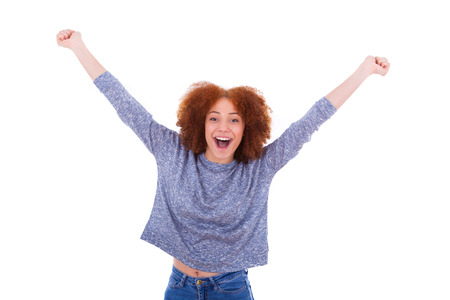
<point x="212" y="217"/>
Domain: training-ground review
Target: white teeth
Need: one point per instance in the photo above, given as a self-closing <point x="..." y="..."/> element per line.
<point x="223" y="139"/>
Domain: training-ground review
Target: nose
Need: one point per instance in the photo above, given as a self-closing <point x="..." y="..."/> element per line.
<point x="223" y="126"/>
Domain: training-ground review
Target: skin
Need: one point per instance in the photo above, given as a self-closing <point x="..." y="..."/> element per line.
<point x="371" y="65"/>
<point x="72" y="40"/>
<point x="221" y="120"/>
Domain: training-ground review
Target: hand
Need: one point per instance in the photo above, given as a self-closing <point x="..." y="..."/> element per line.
<point x="68" y="38"/>
<point x="376" y="65"/>
<point x="371" y="65"/>
<point x="72" y="40"/>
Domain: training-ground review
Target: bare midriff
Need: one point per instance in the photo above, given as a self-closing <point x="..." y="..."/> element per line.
<point x="190" y="271"/>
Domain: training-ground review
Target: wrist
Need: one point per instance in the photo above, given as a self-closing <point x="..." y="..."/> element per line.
<point x="364" y="71"/>
<point x="79" y="48"/>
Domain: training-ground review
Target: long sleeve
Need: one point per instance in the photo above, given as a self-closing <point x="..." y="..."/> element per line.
<point x="287" y="146"/>
<point x="133" y="114"/>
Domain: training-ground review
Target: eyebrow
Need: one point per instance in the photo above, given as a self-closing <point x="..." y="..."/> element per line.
<point x="216" y="112"/>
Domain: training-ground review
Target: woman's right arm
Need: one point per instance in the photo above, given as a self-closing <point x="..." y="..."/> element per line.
<point x="72" y="40"/>
<point x="131" y="112"/>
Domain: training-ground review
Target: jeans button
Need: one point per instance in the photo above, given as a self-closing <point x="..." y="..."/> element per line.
<point x="199" y="282"/>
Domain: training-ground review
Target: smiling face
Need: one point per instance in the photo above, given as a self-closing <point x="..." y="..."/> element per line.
<point x="224" y="128"/>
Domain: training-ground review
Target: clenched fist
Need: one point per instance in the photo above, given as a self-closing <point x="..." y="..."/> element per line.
<point x="72" y="40"/>
<point x="68" y="38"/>
<point x="376" y="65"/>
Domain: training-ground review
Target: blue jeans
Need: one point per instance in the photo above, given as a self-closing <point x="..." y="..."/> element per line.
<point x="233" y="286"/>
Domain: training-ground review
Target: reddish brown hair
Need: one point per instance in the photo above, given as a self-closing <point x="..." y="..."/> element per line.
<point x="248" y="101"/>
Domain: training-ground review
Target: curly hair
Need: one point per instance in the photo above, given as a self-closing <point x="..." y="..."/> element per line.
<point x="249" y="103"/>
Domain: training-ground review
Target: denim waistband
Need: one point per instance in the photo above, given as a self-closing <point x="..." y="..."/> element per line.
<point x="205" y="281"/>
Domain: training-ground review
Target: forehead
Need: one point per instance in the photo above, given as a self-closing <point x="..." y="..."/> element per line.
<point x="223" y="105"/>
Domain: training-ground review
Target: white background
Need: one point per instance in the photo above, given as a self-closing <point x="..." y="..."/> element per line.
<point x="361" y="213"/>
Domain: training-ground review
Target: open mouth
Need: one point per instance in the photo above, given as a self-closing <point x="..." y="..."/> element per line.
<point x="222" y="142"/>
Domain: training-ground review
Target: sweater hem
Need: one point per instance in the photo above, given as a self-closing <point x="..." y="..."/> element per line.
<point x="257" y="261"/>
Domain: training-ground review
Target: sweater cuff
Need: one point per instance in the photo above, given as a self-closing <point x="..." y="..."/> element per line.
<point x="326" y="107"/>
<point x="104" y="81"/>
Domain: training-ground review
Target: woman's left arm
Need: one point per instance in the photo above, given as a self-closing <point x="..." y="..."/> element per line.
<point x="371" y="65"/>
<point x="287" y="146"/>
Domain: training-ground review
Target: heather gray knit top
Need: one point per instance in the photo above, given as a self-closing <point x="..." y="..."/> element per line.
<point x="212" y="217"/>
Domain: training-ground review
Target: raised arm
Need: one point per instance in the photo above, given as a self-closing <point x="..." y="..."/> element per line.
<point x="371" y="65"/>
<point x="287" y="146"/>
<point x="72" y="40"/>
<point x="131" y="112"/>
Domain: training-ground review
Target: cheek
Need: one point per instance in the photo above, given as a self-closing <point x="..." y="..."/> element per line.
<point x="240" y="133"/>
<point x="208" y="132"/>
<point x="207" y="129"/>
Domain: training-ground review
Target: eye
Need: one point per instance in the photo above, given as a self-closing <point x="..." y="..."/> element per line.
<point x="235" y="121"/>
<point x="213" y="119"/>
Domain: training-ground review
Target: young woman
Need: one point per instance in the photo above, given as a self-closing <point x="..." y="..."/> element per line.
<point x="210" y="209"/>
